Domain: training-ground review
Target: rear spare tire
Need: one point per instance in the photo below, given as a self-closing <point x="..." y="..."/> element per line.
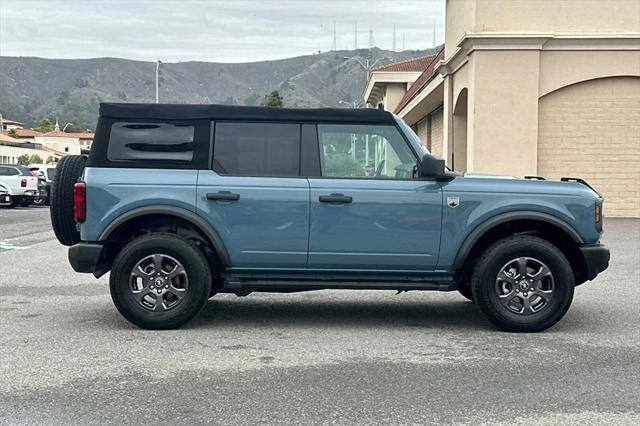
<point x="68" y="171"/>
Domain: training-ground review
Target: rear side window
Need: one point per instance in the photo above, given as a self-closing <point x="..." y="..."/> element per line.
<point x="8" y="171"/>
<point x="257" y="149"/>
<point x="51" y="173"/>
<point x="141" y="141"/>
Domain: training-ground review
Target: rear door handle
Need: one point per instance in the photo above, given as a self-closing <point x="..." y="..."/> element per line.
<point x="223" y="196"/>
<point x="335" y="198"/>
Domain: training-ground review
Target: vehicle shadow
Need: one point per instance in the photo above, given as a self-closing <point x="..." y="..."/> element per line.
<point x="343" y="314"/>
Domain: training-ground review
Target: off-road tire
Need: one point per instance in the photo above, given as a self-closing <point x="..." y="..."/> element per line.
<point x="194" y="263"/>
<point x="489" y="265"/>
<point x="68" y="171"/>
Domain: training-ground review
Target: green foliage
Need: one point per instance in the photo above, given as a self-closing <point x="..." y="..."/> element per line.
<point x="35" y="159"/>
<point x="273" y="99"/>
<point x="45" y="126"/>
<point x="51" y="160"/>
<point x="13" y="133"/>
<point x="23" y="159"/>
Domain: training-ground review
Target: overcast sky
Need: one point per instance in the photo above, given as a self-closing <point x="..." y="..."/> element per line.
<point x="210" y="30"/>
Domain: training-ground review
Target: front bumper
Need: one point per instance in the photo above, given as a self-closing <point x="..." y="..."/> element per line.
<point x="5" y="199"/>
<point x="596" y="258"/>
<point x="87" y="257"/>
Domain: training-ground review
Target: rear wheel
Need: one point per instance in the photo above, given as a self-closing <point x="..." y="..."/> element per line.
<point x="68" y="171"/>
<point x="523" y="283"/>
<point x="160" y="281"/>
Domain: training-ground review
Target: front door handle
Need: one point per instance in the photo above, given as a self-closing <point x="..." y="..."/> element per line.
<point x="223" y="196"/>
<point x="335" y="198"/>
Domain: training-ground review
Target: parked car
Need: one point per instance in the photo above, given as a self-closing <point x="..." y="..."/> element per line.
<point x="181" y="202"/>
<point x="45" y="173"/>
<point x="5" y="196"/>
<point x="21" y="183"/>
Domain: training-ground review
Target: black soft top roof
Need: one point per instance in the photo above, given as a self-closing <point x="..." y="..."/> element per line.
<point x="230" y="112"/>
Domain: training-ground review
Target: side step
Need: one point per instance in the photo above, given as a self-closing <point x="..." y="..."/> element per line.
<point x="279" y="285"/>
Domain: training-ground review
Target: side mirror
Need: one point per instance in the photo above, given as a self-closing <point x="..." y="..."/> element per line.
<point x="431" y="167"/>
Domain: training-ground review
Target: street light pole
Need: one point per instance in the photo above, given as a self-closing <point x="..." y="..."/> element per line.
<point x="368" y="65"/>
<point x="65" y="126"/>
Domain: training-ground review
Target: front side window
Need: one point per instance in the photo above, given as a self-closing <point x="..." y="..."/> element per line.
<point x="151" y="142"/>
<point x="364" y="151"/>
<point x="257" y="149"/>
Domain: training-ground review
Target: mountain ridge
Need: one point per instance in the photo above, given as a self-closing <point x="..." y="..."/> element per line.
<point x="70" y="90"/>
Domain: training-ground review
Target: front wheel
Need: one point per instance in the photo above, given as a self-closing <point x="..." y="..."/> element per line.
<point x="523" y="283"/>
<point x="160" y="281"/>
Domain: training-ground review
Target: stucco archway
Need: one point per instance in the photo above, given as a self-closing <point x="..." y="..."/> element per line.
<point x="459" y="137"/>
<point x="591" y="130"/>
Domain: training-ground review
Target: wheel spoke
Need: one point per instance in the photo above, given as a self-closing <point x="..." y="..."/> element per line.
<point x="503" y="276"/>
<point x="544" y="272"/>
<point x="178" y="270"/>
<point x="157" y="263"/>
<point x="522" y="266"/>
<point x="526" y="306"/>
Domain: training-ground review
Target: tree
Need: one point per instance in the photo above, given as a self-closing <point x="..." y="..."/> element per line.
<point x="13" y="133"/>
<point x="273" y="99"/>
<point x="51" y="160"/>
<point x="35" y="159"/>
<point x="23" y="159"/>
<point x="45" y="126"/>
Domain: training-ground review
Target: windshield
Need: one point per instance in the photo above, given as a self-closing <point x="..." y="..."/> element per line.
<point x="413" y="138"/>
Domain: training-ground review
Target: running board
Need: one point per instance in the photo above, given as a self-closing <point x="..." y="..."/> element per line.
<point x="302" y="285"/>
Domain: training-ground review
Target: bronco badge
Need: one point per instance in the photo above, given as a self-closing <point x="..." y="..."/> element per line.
<point x="453" y="202"/>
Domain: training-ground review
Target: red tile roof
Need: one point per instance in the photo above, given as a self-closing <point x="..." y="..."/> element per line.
<point x="58" y="134"/>
<point x="82" y="135"/>
<point x="6" y="138"/>
<point x="24" y="133"/>
<point x="415" y="64"/>
<point x="6" y="121"/>
<point x="422" y="81"/>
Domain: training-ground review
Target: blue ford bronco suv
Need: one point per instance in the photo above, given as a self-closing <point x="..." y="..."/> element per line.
<point x="181" y="202"/>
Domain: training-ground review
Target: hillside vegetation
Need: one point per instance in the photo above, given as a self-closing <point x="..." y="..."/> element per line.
<point x="71" y="89"/>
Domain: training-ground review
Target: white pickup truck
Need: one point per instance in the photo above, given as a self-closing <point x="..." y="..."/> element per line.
<point x="22" y="185"/>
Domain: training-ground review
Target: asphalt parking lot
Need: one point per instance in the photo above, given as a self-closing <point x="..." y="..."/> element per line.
<point x="344" y="357"/>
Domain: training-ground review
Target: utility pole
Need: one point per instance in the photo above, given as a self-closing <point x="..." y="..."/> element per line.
<point x="403" y="42"/>
<point x="394" y="38"/>
<point x="157" y="78"/>
<point x="334" y="37"/>
<point x="371" y="42"/>
<point x="355" y="37"/>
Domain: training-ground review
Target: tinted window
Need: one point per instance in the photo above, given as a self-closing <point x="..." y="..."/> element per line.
<point x="51" y="173"/>
<point x="365" y="151"/>
<point x="257" y="149"/>
<point x="151" y="142"/>
<point x="8" y="171"/>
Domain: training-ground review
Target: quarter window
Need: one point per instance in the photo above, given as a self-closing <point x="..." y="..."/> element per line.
<point x="364" y="151"/>
<point x="151" y="142"/>
<point x="257" y="149"/>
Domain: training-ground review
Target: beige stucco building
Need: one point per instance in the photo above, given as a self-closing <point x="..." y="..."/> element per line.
<point x="547" y="88"/>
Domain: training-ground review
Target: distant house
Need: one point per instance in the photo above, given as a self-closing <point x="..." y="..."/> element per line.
<point x="10" y="124"/>
<point x="548" y="88"/>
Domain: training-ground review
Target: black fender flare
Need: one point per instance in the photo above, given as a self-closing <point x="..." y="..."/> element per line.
<point x="178" y="212"/>
<point x="491" y="223"/>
